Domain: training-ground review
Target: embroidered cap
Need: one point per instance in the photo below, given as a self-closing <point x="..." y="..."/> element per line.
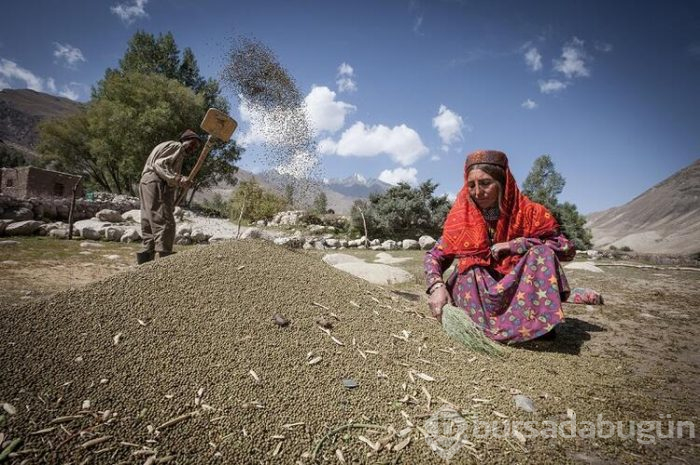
<point x="490" y="157"/>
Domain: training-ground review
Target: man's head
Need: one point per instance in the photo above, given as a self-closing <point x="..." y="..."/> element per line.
<point x="190" y="140"/>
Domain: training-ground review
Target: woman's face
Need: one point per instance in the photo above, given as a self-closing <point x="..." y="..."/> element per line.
<point x="483" y="189"/>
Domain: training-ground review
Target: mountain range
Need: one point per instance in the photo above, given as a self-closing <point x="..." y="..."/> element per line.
<point x="662" y="220"/>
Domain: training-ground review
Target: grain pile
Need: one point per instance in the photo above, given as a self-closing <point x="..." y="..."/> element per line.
<point x="244" y="352"/>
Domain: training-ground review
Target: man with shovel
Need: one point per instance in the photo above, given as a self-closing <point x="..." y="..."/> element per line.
<point x="160" y="179"/>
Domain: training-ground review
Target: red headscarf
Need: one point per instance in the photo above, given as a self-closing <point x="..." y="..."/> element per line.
<point x="465" y="233"/>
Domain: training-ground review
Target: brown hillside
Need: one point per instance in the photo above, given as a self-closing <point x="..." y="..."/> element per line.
<point x="665" y="219"/>
<point x="21" y="110"/>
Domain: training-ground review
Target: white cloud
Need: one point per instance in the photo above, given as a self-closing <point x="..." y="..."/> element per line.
<point x="130" y="13"/>
<point x="399" y="175"/>
<point x="401" y="143"/>
<point x="435" y="158"/>
<point x="552" y="86"/>
<point x="345" y="80"/>
<point x="69" y="93"/>
<point x="324" y="112"/>
<point x="529" y="104"/>
<point x="533" y="59"/>
<point x="9" y="70"/>
<point x="417" y="25"/>
<point x="449" y="125"/>
<point x="603" y="46"/>
<point x="69" y="54"/>
<point x="51" y="85"/>
<point x="573" y="60"/>
<point x="4" y="84"/>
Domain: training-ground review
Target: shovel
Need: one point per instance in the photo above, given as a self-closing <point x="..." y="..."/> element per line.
<point x="218" y="125"/>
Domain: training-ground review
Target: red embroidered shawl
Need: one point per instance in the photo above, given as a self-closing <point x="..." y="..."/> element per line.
<point x="465" y="233"/>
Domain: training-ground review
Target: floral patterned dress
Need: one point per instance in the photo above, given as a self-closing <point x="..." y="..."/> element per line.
<point x="525" y="303"/>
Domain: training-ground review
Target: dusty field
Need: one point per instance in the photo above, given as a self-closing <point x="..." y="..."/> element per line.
<point x="206" y="317"/>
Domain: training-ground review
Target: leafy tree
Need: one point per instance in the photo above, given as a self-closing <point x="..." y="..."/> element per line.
<point x="110" y="141"/>
<point x="402" y="210"/>
<point x="10" y="157"/>
<point x="320" y="204"/>
<point x="150" y="98"/>
<point x="255" y="202"/>
<point x="543" y="185"/>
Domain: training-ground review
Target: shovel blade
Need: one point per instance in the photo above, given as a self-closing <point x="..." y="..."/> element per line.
<point x="218" y="124"/>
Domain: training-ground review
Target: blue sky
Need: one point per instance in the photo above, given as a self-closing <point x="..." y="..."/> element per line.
<point x="401" y="90"/>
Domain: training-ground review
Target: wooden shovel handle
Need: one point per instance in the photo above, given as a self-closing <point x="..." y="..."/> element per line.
<point x="198" y="166"/>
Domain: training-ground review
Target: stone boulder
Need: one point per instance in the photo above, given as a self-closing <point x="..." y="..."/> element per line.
<point x="251" y="233"/>
<point x="8" y="243"/>
<point x="287" y="218"/>
<point x="332" y="243"/>
<point x="337" y="258"/>
<point x="389" y="245"/>
<point x="18" y="214"/>
<point x="3" y="225"/>
<point x="59" y="233"/>
<point x="410" y="244"/>
<point x="375" y="242"/>
<point x="130" y="235"/>
<point x="426" y="242"/>
<point x="198" y="236"/>
<point x="91" y="233"/>
<point x="109" y="216"/>
<point x="376" y="273"/>
<point x="112" y="233"/>
<point x="132" y="215"/>
<point x="291" y="242"/>
<point x="23" y="228"/>
<point x="183" y="230"/>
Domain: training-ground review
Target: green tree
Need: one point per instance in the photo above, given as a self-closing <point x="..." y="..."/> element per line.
<point x="543" y="185"/>
<point x="10" y="157"/>
<point x="320" y="204"/>
<point x="402" y="210"/>
<point x="150" y="98"/>
<point x="110" y="141"/>
<point x="254" y="202"/>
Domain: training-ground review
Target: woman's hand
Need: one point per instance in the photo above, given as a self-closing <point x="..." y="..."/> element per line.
<point x="439" y="297"/>
<point x="500" y="250"/>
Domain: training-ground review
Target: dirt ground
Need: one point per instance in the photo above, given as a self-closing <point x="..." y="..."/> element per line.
<point x="650" y="322"/>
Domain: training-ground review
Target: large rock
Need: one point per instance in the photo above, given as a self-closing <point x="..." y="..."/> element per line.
<point x="23" y="228"/>
<point x="586" y="266"/>
<point x="388" y="259"/>
<point x="18" y="214"/>
<point x="410" y="244"/>
<point x="183" y="230"/>
<point x="109" y="216"/>
<point x="113" y="234"/>
<point x="389" y="245"/>
<point x="426" y="242"/>
<point x="287" y="218"/>
<point x="251" y="233"/>
<point x="337" y="258"/>
<point x="59" y="233"/>
<point x="291" y="242"/>
<point x="332" y="243"/>
<point x="376" y="273"/>
<point x="130" y="235"/>
<point x="198" y="236"/>
<point x="91" y="233"/>
<point x="3" y="225"/>
<point x="132" y="215"/>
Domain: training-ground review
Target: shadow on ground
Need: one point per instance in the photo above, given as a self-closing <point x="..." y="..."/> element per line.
<point x="571" y="335"/>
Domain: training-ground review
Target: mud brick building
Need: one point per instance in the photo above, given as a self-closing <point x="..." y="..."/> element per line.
<point x="29" y="182"/>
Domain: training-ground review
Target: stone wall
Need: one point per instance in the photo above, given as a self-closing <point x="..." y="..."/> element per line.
<point x="27" y="182"/>
<point x="57" y="209"/>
